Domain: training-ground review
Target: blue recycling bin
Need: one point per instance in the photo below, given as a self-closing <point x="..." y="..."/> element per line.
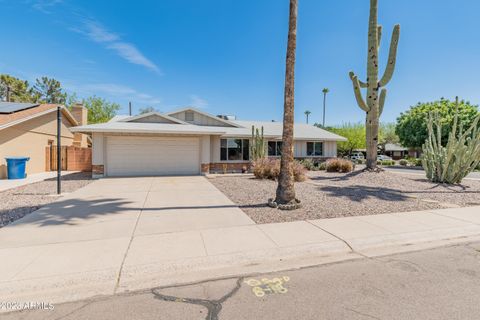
<point x="16" y="167"/>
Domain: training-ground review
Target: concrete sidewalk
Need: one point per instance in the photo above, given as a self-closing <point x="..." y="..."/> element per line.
<point x="73" y="270"/>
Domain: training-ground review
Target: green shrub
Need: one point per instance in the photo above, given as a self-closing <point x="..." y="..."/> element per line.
<point x="403" y="162"/>
<point x="308" y="164"/>
<point x="360" y="161"/>
<point x="322" y="166"/>
<point x="339" y="165"/>
<point x="388" y="163"/>
<point x="418" y="162"/>
<point x="270" y="169"/>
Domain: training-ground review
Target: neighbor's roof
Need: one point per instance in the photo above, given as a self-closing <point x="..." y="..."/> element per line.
<point x="272" y="130"/>
<point x="394" y="147"/>
<point x="10" y="119"/>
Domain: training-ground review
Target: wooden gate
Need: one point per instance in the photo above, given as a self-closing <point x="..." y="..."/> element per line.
<point x="53" y="158"/>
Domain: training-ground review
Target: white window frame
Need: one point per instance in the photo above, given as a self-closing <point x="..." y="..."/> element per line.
<point x="314" y="144"/>
<point x="242" y="147"/>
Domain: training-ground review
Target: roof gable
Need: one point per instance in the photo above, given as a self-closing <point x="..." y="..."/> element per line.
<point x="153" y="117"/>
<point x="201" y="118"/>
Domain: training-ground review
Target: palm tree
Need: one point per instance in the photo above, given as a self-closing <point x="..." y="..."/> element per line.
<point x="325" y="91"/>
<point x="307" y="113"/>
<point x="285" y="190"/>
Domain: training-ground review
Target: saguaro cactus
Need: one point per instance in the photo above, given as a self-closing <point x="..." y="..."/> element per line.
<point x="257" y="148"/>
<point x="461" y="155"/>
<point x="375" y="101"/>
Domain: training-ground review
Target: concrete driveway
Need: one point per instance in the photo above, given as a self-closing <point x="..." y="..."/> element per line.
<point x="84" y="237"/>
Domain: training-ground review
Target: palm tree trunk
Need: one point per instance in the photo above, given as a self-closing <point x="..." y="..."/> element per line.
<point x="285" y="190"/>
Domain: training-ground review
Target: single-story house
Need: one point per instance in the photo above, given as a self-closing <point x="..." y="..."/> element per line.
<point x="191" y="141"/>
<point x="395" y="151"/>
<point x="27" y="129"/>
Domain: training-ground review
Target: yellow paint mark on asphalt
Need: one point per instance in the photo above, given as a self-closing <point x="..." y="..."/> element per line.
<point x="268" y="286"/>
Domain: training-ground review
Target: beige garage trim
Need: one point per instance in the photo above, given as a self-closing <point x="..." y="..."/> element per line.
<point x="152" y="156"/>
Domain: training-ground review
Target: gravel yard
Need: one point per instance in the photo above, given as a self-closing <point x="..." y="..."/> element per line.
<point x="330" y="195"/>
<point x="17" y="202"/>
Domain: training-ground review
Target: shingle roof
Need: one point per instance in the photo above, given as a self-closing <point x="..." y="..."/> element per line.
<point x="272" y="130"/>
<point x="394" y="147"/>
<point x="9" y="119"/>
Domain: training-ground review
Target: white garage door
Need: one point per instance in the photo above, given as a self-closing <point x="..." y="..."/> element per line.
<point x="152" y="156"/>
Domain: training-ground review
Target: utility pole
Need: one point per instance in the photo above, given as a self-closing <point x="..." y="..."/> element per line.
<point x="59" y="151"/>
<point x="325" y="91"/>
<point x="130" y="108"/>
<point x="8" y="93"/>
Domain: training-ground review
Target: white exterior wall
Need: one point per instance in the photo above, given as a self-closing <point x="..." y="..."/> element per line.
<point x="215" y="149"/>
<point x="205" y="150"/>
<point x="98" y="149"/>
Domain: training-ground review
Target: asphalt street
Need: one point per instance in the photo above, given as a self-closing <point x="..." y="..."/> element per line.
<point x="442" y="283"/>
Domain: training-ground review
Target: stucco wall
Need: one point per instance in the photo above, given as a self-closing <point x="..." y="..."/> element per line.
<point x="30" y="139"/>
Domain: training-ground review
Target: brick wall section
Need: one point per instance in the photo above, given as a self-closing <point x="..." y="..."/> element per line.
<point x="79" y="159"/>
<point x="97" y="169"/>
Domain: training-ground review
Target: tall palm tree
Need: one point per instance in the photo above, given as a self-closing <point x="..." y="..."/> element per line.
<point x="307" y="113"/>
<point x="325" y="91"/>
<point x="285" y="190"/>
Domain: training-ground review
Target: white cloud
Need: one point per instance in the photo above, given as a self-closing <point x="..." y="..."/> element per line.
<point x="198" y="102"/>
<point x="112" y="41"/>
<point x="115" y="90"/>
<point x="45" y="5"/>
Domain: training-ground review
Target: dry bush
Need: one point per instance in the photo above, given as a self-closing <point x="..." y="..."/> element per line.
<point x="270" y="169"/>
<point x="339" y="165"/>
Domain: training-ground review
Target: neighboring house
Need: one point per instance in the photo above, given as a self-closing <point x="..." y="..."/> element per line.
<point x="190" y="141"/>
<point x="27" y="129"/>
<point x="395" y="151"/>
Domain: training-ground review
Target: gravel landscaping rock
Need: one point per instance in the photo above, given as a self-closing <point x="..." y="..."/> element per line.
<point x="331" y="195"/>
<point x="17" y="202"/>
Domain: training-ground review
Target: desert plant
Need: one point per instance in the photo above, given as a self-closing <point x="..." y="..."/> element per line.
<point x="308" y="164"/>
<point x="403" y="162"/>
<point x="460" y="156"/>
<point x="388" y="162"/>
<point x="418" y="162"/>
<point x="339" y="165"/>
<point x="322" y="166"/>
<point x="257" y="147"/>
<point x="270" y="169"/>
<point x="375" y="102"/>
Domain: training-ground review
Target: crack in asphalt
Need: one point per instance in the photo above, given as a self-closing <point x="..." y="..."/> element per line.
<point x="213" y="306"/>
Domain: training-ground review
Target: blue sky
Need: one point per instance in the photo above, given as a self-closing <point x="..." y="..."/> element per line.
<point x="228" y="56"/>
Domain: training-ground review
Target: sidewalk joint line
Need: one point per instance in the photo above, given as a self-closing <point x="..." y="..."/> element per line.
<point x="117" y="282"/>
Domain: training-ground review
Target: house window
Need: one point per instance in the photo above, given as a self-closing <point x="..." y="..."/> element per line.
<point x="189" y="116"/>
<point x="274" y="148"/>
<point x="314" y="149"/>
<point x="234" y="149"/>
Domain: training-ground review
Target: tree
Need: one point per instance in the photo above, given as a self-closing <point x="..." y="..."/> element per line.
<point x="285" y="195"/>
<point x="387" y="134"/>
<point x="147" y="110"/>
<point x="355" y="134"/>
<point x="17" y="90"/>
<point x="325" y="91"/>
<point x="307" y="113"/>
<point x="412" y="128"/>
<point x="100" y="110"/>
<point x="49" y="90"/>
<point x="373" y="106"/>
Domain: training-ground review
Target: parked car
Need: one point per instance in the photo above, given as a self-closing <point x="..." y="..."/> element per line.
<point x="383" y="157"/>
<point x="357" y="156"/>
